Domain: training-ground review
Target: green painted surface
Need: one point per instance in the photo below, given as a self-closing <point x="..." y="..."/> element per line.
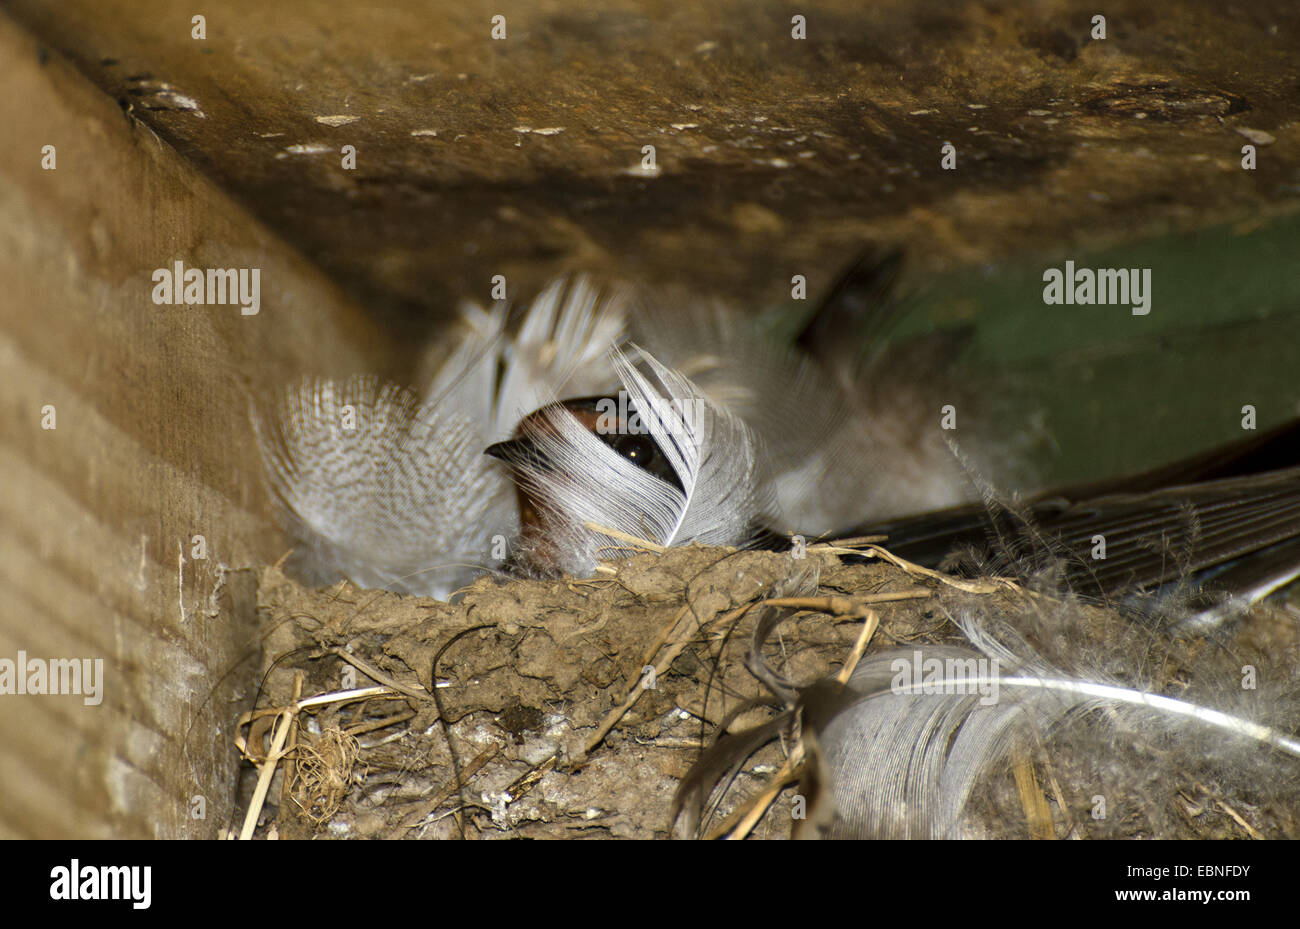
<point x="1103" y="391"/>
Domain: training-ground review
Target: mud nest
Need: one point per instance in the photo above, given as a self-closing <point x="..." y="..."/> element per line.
<point x="574" y="708"/>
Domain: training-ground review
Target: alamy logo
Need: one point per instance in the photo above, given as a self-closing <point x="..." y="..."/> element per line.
<point x="195" y="287"/>
<point x="1113" y="286"/>
<point x="38" y="676"/>
<point x="87" y="882"/>
<point x="962" y="676"/>
<point x="620" y="417"/>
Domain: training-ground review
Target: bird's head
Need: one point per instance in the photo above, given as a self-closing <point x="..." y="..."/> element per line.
<point x="551" y="464"/>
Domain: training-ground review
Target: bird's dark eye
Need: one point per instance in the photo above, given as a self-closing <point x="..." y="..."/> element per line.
<point x="638" y="449"/>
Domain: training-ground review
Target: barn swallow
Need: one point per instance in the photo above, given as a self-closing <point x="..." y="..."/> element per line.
<point x="390" y="488"/>
<point x="1222" y="525"/>
<point x="782" y="440"/>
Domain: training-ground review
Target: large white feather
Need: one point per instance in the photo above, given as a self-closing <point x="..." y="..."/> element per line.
<point x="903" y="762"/>
<point x="919" y="731"/>
<point x="559" y="348"/>
<point x="464" y="378"/>
<point x="381" y="489"/>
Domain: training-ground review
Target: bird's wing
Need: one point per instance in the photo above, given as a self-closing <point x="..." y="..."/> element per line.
<point x="1128" y="540"/>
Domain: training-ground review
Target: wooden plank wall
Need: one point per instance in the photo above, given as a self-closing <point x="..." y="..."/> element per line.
<point x="151" y="446"/>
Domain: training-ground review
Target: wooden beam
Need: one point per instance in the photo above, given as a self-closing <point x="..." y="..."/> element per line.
<point x="152" y="446"/>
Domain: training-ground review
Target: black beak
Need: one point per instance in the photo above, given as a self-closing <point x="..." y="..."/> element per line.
<point x="506" y="451"/>
<point x="515" y="452"/>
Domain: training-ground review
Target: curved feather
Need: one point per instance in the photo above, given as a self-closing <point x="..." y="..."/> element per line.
<point x="580" y="481"/>
<point x="905" y="744"/>
<point x="906" y="749"/>
<point x="712" y="451"/>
